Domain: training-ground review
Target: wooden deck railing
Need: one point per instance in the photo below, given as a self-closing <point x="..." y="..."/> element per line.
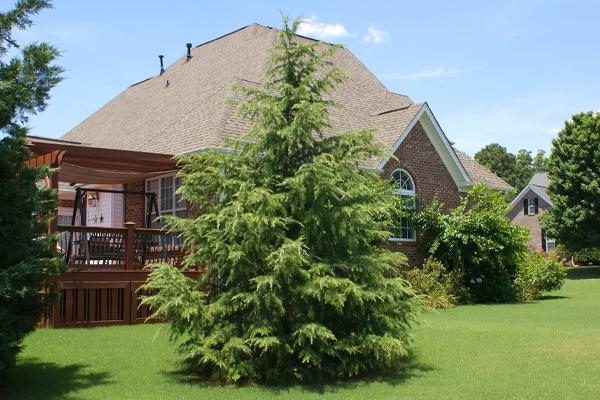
<point x="127" y="248"/>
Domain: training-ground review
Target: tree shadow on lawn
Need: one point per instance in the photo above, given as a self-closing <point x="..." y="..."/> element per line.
<point x="584" y="272"/>
<point x="411" y="369"/>
<point x="33" y="379"/>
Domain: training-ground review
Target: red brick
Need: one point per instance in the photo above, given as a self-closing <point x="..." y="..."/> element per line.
<point x="417" y="155"/>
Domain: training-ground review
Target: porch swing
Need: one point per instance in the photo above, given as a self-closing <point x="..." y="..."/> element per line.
<point x="104" y="246"/>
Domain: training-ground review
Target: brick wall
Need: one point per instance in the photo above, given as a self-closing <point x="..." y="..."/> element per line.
<point x="532" y="222"/>
<point x="417" y="155"/>
<point x="135" y="205"/>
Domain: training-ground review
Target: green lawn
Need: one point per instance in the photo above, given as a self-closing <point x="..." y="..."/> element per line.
<point x="548" y="349"/>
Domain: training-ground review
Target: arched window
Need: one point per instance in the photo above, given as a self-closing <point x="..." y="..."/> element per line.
<point x="404" y="186"/>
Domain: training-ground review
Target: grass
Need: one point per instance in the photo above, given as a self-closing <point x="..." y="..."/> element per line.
<point x="547" y="349"/>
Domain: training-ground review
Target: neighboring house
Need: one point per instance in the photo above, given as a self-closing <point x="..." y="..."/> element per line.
<point x="184" y="109"/>
<point x="527" y="208"/>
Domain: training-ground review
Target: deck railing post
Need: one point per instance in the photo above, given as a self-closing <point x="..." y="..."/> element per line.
<point x="129" y="241"/>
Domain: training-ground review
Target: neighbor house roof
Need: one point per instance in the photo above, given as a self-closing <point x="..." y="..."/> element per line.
<point x="186" y="108"/>
<point x="538" y="184"/>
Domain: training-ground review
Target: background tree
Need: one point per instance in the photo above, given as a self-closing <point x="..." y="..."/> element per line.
<point x="574" y="171"/>
<point x="540" y="161"/>
<point x="297" y="284"/>
<point x="25" y="258"/>
<point x="498" y="160"/>
<point x="514" y="169"/>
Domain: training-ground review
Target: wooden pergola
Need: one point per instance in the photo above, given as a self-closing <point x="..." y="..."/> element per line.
<point x="80" y="163"/>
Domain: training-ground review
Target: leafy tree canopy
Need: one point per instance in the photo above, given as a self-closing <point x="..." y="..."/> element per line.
<point x="516" y="169"/>
<point x="297" y="285"/>
<point x="574" y="172"/>
<point x="25" y="261"/>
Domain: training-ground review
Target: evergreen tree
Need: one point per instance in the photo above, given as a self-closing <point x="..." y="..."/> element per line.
<point x="25" y="256"/>
<point x="574" y="172"/>
<point x="289" y="231"/>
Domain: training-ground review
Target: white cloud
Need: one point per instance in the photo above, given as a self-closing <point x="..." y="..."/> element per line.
<point x="314" y="28"/>
<point x="376" y="35"/>
<point x="428" y="73"/>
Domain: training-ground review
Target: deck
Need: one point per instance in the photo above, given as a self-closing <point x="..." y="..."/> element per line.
<point x="105" y="271"/>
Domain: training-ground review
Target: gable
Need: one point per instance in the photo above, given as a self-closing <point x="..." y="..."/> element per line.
<point x="436" y="137"/>
<point x="530" y="191"/>
<point x="420" y="158"/>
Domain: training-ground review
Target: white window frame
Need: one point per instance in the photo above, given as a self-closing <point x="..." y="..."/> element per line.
<point x="175" y="208"/>
<point x="531" y="206"/>
<point x="553" y="241"/>
<point x="405" y="193"/>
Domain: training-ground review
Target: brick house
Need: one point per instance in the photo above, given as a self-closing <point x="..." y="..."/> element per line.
<point x="184" y="109"/>
<point x="528" y="206"/>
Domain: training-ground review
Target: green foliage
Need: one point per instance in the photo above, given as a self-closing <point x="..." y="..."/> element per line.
<point x="539" y="273"/>
<point x="574" y="172"/>
<point x="516" y="169"/>
<point x="589" y="256"/>
<point x="478" y="239"/>
<point x="437" y="287"/>
<point x="297" y="285"/>
<point x="25" y="262"/>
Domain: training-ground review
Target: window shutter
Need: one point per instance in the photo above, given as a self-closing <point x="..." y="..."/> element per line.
<point x="535" y="201"/>
<point x="543" y="238"/>
<point x="525" y="206"/>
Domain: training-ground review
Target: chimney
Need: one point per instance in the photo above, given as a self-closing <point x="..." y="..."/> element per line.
<point x="189" y="51"/>
<point x="162" y="67"/>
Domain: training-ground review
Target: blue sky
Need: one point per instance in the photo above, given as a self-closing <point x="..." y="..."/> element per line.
<point x="492" y="71"/>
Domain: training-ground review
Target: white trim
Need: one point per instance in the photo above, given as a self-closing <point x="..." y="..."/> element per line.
<point x="535" y="190"/>
<point x="395" y="239"/>
<point x="439" y="141"/>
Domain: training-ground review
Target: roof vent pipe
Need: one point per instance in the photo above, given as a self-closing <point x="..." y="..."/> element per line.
<point x="189" y="51"/>
<point x="162" y="67"/>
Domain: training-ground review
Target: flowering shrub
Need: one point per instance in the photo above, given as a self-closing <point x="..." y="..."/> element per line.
<point x="539" y="273"/>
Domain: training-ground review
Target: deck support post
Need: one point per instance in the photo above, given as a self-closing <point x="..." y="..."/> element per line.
<point x="129" y="239"/>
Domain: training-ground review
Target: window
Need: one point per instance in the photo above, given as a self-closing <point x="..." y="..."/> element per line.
<point x="169" y="202"/>
<point x="65" y="219"/>
<point x="550" y="245"/>
<point x="404" y="186"/>
<point x="530" y="206"/>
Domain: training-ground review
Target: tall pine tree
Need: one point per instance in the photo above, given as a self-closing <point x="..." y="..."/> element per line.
<point x="25" y="256"/>
<point x="289" y="230"/>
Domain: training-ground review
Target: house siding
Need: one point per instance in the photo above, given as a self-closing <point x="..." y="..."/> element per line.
<point x="417" y="155"/>
<point x="517" y="217"/>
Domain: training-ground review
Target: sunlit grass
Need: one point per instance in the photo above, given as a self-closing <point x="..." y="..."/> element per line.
<point x="547" y="349"/>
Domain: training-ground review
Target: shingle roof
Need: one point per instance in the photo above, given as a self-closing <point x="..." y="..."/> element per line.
<point x="479" y="173"/>
<point x="186" y="108"/>
<point x="540" y="179"/>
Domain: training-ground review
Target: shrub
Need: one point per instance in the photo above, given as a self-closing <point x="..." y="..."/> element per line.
<point x="539" y="273"/>
<point x="437" y="287"/>
<point x="478" y="239"/>
<point x="587" y="256"/>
